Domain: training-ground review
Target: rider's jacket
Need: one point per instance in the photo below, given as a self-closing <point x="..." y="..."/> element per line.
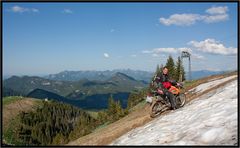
<point x="163" y="81"/>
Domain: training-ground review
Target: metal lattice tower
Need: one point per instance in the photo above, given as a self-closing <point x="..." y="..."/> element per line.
<point x="186" y="54"/>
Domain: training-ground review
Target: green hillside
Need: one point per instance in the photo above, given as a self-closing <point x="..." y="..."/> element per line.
<point x="36" y="122"/>
<point x="12" y="107"/>
<point x="117" y="83"/>
<point x="84" y="93"/>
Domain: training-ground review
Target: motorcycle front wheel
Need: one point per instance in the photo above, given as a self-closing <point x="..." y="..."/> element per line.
<point x="156" y="109"/>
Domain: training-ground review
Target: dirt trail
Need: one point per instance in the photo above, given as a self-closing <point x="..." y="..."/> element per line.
<point x="137" y="118"/>
<point x="107" y="134"/>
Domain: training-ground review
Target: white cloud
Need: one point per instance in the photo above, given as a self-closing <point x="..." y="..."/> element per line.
<point x="18" y="9"/>
<point x="207" y="46"/>
<point x="67" y="11"/>
<point x="146" y="51"/>
<point x="213" y="46"/>
<point x="181" y="19"/>
<point x="35" y="10"/>
<point x="215" y="14"/>
<point x="217" y="10"/>
<point x="157" y="51"/>
<point x="165" y="50"/>
<point x="106" y="55"/>
<point x="160" y="50"/>
<point x="155" y="55"/>
<point x="197" y="56"/>
<point x="133" y="55"/>
<point x="215" y="18"/>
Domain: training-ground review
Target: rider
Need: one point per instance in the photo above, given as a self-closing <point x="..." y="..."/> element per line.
<point x="163" y="83"/>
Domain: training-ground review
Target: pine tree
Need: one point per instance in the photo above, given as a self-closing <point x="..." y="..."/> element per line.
<point x="111" y="108"/>
<point x="157" y="70"/>
<point x="59" y="139"/>
<point x="43" y="126"/>
<point x="171" y="67"/>
<point x="102" y="116"/>
<point x="179" y="70"/>
<point x="119" y="110"/>
<point x="161" y="68"/>
<point x="111" y="105"/>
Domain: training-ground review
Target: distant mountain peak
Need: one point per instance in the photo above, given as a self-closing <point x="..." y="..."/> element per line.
<point x="14" y="77"/>
<point x="121" y="76"/>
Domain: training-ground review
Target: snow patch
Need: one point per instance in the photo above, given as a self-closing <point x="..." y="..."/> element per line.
<point x="208" y="120"/>
<point x="46" y="83"/>
<point x="57" y="90"/>
<point x="211" y="135"/>
<point x="59" y="83"/>
<point x="205" y="86"/>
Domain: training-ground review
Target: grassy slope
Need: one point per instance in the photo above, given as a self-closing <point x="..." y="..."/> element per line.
<point x="12" y="106"/>
<point x="138" y="116"/>
<point x="92" y="113"/>
<point x="10" y="99"/>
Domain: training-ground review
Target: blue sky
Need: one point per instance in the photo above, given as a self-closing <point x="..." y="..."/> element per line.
<point x="44" y="38"/>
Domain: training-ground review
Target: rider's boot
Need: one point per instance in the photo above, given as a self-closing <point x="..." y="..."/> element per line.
<point x="172" y="100"/>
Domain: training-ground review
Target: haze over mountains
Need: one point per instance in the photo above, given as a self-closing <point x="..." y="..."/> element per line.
<point x="104" y="75"/>
<point x="203" y="73"/>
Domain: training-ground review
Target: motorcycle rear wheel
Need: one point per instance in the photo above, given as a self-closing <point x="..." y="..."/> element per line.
<point x="181" y="100"/>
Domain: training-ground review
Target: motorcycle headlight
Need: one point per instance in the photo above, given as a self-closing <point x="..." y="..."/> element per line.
<point x="149" y="99"/>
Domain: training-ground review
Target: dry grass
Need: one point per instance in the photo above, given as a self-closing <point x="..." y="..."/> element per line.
<point x="109" y="133"/>
<point x="11" y="110"/>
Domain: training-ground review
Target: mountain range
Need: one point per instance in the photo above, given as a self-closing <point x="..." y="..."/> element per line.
<point x="85" y="89"/>
<point x="144" y="76"/>
<point x="99" y="75"/>
<point x="83" y="93"/>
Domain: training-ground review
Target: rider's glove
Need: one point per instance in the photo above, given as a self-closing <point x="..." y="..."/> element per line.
<point x="160" y="91"/>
